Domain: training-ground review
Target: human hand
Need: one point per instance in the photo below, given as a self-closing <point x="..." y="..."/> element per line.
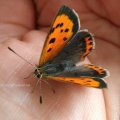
<point x="18" y="30"/>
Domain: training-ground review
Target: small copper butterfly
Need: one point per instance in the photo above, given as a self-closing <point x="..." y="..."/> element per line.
<point x="65" y="46"/>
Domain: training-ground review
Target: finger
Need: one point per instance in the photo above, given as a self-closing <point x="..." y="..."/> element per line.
<point x="16" y="18"/>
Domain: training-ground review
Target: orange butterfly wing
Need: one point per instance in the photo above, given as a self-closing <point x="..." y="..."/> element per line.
<point x="85" y="81"/>
<point x="65" y="25"/>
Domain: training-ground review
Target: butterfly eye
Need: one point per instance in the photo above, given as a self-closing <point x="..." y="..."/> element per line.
<point x="37" y="73"/>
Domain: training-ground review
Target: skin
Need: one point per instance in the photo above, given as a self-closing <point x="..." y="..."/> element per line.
<point x="18" y="21"/>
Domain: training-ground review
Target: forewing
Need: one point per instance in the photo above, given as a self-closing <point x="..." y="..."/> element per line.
<point x="76" y="49"/>
<point x="85" y="81"/>
<point x="65" y="25"/>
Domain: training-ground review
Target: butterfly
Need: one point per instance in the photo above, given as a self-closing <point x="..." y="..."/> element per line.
<point x="65" y="46"/>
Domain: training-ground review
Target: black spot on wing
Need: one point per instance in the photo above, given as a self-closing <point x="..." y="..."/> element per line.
<point x="61" y="30"/>
<point x="61" y="24"/>
<point x="49" y="49"/>
<point x="71" y="80"/>
<point x="52" y="30"/>
<point x="52" y="40"/>
<point x="66" y="30"/>
<point x="72" y="16"/>
<point x="89" y="81"/>
<point x="57" y="25"/>
<point x="64" y="38"/>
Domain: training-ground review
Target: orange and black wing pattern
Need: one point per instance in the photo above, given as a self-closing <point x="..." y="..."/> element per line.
<point x="88" y="70"/>
<point x="84" y="81"/>
<point x="77" y="48"/>
<point x="64" y="27"/>
<point x="86" y="75"/>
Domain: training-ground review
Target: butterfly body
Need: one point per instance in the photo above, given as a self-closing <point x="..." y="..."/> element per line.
<point x="53" y="69"/>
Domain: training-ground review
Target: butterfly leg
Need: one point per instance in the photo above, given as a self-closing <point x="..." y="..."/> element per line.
<point x="36" y="84"/>
<point x="49" y="85"/>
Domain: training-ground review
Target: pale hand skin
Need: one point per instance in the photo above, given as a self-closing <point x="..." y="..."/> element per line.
<point x="18" y="21"/>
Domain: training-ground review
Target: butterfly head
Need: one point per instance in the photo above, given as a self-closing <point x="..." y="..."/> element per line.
<point x="38" y="73"/>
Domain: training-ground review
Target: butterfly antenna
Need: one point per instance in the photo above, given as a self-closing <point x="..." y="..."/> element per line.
<point x="40" y="92"/>
<point x="40" y="99"/>
<point x="31" y="74"/>
<point x="20" y="56"/>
